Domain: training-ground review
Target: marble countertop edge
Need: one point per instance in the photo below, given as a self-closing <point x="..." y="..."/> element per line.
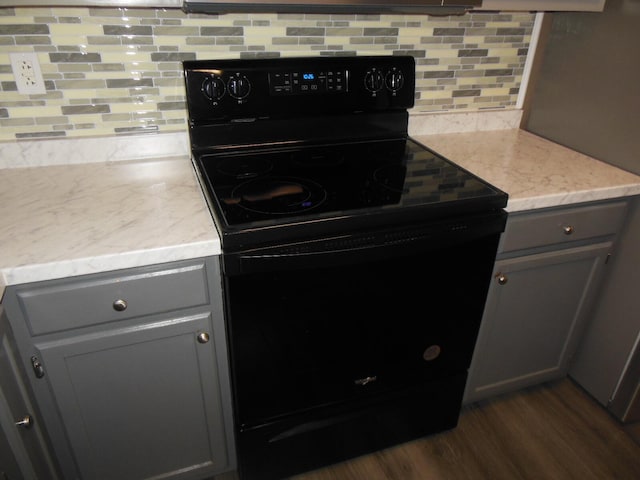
<point x="104" y="263"/>
<point x="571" y="198"/>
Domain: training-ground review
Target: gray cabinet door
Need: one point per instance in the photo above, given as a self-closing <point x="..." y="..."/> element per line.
<point x="140" y="401"/>
<point x="533" y="317"/>
<point x="9" y="469"/>
<point x="23" y="450"/>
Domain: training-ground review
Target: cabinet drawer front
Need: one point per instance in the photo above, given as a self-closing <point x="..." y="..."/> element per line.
<point x="62" y="305"/>
<point x="562" y="226"/>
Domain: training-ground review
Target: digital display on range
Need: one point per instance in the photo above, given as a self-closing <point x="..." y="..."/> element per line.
<point x="308" y="82"/>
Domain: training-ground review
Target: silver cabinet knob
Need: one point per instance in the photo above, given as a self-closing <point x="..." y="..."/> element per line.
<point x="203" y="337"/>
<point x="568" y="229"/>
<point x="26" y="422"/>
<point x="502" y="278"/>
<point x="38" y="369"/>
<point x="120" y="305"/>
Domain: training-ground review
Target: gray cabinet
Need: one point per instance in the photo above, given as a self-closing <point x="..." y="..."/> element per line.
<point x="94" y="3"/>
<point x="549" y="267"/>
<point x="9" y="468"/>
<point x="130" y="370"/>
<point x="544" y="5"/>
<point x="23" y="450"/>
<point x="607" y="364"/>
<point x="506" y="5"/>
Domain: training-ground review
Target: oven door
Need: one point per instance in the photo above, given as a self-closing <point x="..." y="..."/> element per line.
<point x="341" y="320"/>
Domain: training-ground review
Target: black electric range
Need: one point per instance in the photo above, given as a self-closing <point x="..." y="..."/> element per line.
<point x="355" y="261"/>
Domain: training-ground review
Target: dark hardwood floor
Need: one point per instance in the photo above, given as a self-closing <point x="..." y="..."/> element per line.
<point x="554" y="431"/>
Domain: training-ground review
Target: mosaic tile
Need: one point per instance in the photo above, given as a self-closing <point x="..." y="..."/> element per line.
<point x="34" y="135"/>
<point x="117" y="71"/>
<point x="127" y="30"/>
<point x="221" y="31"/>
<point x="24" y="29"/>
<point x="74" y="57"/>
<point x="305" y="31"/>
<point x="129" y="82"/>
<point x="17" y="122"/>
<point x="84" y="109"/>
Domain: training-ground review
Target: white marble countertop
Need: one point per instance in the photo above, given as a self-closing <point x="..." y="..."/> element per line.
<point x="66" y="220"/>
<point x="60" y="220"/>
<point x="535" y="172"/>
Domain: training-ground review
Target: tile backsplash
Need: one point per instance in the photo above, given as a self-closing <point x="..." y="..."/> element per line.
<point x="118" y="71"/>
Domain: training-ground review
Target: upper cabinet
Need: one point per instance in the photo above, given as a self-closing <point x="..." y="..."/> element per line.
<point x="93" y="3"/>
<point x="338" y="6"/>
<point x="409" y="7"/>
<point x="544" y="5"/>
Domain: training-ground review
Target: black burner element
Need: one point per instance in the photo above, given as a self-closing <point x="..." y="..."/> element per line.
<point x="280" y="196"/>
<point x="392" y="176"/>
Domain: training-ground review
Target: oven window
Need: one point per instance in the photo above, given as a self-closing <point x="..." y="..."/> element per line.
<point x="304" y="338"/>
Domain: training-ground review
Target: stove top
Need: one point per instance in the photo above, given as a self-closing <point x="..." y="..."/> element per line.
<point x="314" y="187"/>
<point x="289" y="149"/>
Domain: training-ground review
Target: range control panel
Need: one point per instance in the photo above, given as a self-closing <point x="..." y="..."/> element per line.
<point x="303" y="82"/>
<point x="223" y="90"/>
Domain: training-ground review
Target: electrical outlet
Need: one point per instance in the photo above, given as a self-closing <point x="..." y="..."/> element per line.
<point x="26" y="71"/>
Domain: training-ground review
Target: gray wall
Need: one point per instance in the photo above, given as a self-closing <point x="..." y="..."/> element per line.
<point x="587" y="96"/>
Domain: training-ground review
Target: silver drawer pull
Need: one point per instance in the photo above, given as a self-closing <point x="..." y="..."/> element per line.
<point x="502" y="278"/>
<point x="365" y="380"/>
<point x="26" y="422"/>
<point x="120" y="305"/>
<point x="203" y="337"/>
<point x="568" y="230"/>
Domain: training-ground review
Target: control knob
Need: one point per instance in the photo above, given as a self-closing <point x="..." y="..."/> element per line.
<point x="239" y="86"/>
<point x="373" y="80"/>
<point x="213" y="88"/>
<point x="394" y="80"/>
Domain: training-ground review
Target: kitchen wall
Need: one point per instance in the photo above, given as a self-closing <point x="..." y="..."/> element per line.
<point x="117" y="71"/>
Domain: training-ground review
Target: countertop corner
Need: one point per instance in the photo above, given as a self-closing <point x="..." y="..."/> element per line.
<point x="535" y="172"/>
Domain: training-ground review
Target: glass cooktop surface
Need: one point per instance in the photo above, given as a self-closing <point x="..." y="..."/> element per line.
<point x="281" y="185"/>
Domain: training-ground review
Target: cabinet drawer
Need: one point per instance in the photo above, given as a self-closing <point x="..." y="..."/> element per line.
<point x="66" y="304"/>
<point x="561" y="226"/>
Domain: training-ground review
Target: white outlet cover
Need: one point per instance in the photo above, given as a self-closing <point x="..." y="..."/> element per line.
<point x="27" y="73"/>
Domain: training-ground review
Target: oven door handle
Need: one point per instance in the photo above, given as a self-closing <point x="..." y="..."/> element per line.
<point x="267" y="262"/>
<point x="352" y="250"/>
